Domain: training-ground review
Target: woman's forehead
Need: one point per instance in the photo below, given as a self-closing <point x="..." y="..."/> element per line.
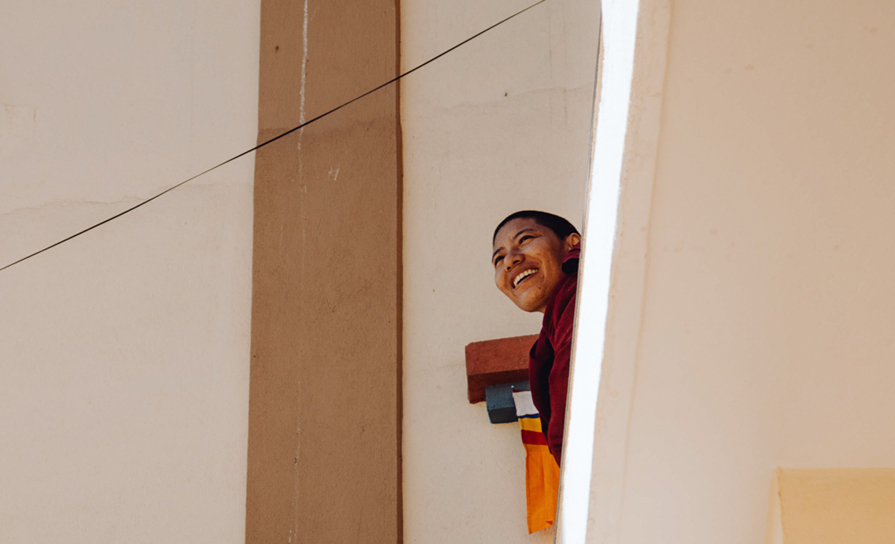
<point x="515" y="227"/>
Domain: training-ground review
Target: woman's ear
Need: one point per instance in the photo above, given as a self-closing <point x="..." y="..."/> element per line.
<point x="572" y="240"/>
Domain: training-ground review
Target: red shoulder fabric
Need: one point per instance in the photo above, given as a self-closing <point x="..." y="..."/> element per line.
<point x="548" y="364"/>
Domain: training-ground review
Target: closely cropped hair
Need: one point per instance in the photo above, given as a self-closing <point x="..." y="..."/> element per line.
<point x="560" y="226"/>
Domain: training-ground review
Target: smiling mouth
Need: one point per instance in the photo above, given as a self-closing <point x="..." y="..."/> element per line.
<point x="522" y="275"/>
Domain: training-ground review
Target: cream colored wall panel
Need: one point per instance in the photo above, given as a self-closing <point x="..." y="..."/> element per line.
<point x="764" y="339"/>
<point x="124" y="361"/>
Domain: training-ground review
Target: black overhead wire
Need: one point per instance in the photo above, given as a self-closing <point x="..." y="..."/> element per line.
<point x="275" y="138"/>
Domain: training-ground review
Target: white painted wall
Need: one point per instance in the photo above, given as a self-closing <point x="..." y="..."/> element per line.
<point x="124" y="353"/>
<point x="765" y="333"/>
<point x="501" y="124"/>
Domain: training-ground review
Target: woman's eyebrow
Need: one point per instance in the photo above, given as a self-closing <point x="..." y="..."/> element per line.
<point x="523" y="231"/>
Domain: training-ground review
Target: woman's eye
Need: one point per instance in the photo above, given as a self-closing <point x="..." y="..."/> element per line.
<point x="497" y="260"/>
<point x="524" y="238"/>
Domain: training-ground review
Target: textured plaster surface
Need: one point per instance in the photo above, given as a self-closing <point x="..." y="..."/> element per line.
<point x="124" y="356"/>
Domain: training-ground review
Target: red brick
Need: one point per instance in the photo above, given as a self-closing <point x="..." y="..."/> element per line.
<point x="494" y="362"/>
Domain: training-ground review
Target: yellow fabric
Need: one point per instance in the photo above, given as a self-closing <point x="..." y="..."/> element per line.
<point x="541" y="480"/>
<point x="530" y="424"/>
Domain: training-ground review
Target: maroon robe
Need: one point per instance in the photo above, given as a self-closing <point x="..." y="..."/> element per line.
<point x="548" y="363"/>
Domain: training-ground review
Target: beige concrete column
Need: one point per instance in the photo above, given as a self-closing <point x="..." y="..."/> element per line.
<point x="325" y="428"/>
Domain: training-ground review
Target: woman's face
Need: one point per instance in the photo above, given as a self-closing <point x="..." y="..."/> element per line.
<point x="527" y="262"/>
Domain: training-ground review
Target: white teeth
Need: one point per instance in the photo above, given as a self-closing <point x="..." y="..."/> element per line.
<point x="523" y="275"/>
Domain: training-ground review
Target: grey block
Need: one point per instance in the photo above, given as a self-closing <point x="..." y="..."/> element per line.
<point x="499" y="401"/>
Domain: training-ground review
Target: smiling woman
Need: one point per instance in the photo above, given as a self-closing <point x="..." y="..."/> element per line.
<point x="536" y="266"/>
<point x="529" y="248"/>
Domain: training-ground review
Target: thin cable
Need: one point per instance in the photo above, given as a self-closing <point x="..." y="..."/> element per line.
<point x="275" y="138"/>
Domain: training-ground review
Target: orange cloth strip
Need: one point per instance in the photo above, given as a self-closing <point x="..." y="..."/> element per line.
<point x="541" y="476"/>
<point x="541" y="486"/>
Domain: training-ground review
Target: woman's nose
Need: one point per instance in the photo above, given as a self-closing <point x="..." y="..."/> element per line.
<point x="512" y="259"/>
